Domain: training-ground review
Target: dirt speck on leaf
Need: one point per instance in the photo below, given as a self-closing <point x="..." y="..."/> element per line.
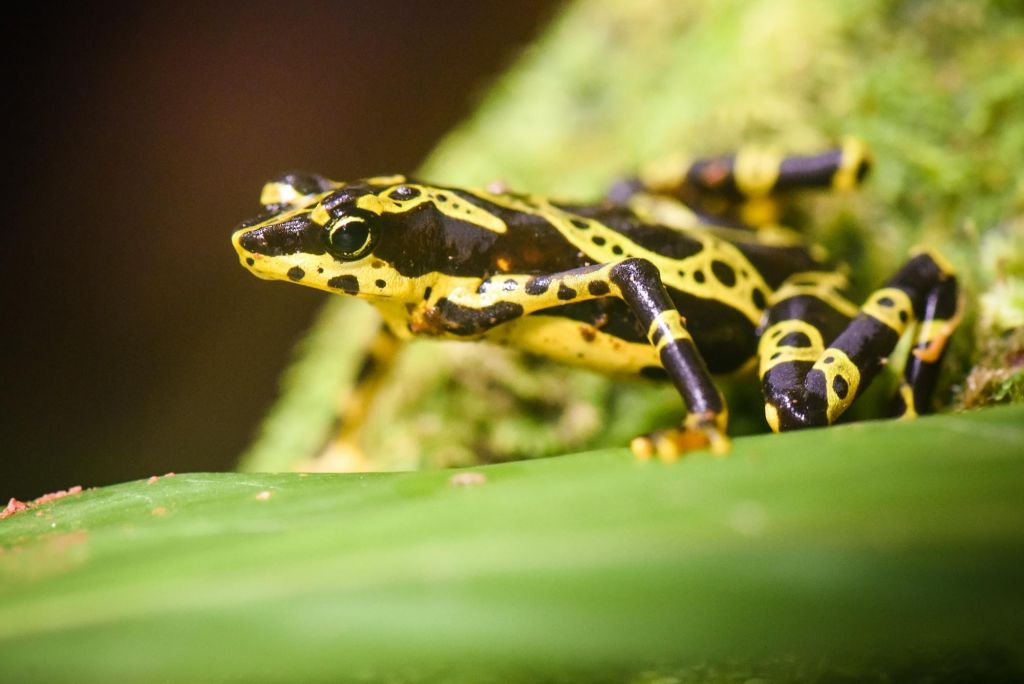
<point x="467" y="479"/>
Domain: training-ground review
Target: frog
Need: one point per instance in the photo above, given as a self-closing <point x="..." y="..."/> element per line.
<point x="679" y="272"/>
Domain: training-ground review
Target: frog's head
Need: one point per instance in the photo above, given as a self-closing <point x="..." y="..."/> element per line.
<point x="355" y="238"/>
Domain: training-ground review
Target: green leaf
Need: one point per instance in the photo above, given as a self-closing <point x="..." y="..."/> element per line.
<point x="856" y="544"/>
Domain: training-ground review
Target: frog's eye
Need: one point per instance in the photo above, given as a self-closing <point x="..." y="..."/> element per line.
<point x="349" y="237"/>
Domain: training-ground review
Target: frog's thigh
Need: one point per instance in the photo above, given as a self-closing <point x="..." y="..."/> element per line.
<point x="798" y="325"/>
<point x="806" y="383"/>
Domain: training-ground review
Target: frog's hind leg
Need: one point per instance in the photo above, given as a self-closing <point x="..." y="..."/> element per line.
<point x="807" y="384"/>
<point x="942" y="313"/>
<point x="756" y="171"/>
<point x="745" y="187"/>
<point x="805" y="312"/>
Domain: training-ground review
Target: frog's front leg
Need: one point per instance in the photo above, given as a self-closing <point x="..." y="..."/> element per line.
<point x="343" y="452"/>
<point x="638" y="283"/>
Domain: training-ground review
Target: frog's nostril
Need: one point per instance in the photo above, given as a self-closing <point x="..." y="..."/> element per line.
<point x="253" y="242"/>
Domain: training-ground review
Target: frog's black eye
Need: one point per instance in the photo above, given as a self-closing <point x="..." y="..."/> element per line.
<point x="349" y="237"/>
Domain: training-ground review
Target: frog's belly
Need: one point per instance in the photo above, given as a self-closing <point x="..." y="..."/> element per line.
<point x="576" y="343"/>
<point x="605" y="335"/>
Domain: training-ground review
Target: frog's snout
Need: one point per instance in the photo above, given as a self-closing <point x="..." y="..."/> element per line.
<point x="248" y="257"/>
<point x="295" y="235"/>
<point x="248" y="243"/>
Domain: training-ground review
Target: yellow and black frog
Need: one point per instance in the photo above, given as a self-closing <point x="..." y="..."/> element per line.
<point x="679" y="273"/>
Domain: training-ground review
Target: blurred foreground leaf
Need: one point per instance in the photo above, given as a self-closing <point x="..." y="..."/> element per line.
<point x="855" y="547"/>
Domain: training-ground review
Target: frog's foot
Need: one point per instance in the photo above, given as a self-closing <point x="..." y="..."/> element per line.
<point x="697" y="431"/>
<point x="339" y="456"/>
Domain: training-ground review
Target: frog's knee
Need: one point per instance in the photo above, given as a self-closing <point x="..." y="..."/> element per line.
<point x="636" y="274"/>
<point x="795" y="408"/>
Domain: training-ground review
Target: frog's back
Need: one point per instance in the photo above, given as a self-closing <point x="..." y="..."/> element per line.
<point x="721" y="285"/>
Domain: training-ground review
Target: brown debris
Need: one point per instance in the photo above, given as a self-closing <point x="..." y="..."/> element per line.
<point x="15" y="506"/>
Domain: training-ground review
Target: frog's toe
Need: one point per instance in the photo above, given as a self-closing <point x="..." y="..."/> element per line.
<point x="672" y="443"/>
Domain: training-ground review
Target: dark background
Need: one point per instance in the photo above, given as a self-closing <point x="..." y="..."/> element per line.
<point x="134" y="344"/>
